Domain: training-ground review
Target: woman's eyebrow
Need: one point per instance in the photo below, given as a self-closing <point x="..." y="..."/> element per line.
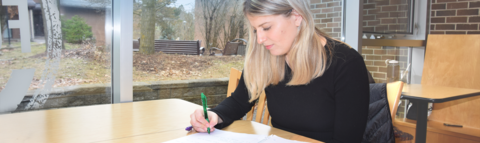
<point x="262" y="24"/>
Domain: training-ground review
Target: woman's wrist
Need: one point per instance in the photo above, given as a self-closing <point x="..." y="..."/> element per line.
<point x="219" y="119"/>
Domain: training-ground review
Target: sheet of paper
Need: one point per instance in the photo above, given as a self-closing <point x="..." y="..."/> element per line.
<point x="219" y="136"/>
<point x="277" y="139"/>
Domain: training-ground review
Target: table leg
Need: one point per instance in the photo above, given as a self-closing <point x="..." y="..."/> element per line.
<point x="421" y="130"/>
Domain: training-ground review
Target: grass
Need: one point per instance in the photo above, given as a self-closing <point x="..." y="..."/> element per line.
<point x="14" y="44"/>
<point x="78" y="70"/>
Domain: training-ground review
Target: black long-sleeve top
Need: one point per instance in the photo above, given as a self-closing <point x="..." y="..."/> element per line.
<point x="331" y="108"/>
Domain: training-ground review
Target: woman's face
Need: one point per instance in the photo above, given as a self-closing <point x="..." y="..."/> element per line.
<point x="276" y="32"/>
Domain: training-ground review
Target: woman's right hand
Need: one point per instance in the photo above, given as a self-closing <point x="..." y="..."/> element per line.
<point x="200" y="124"/>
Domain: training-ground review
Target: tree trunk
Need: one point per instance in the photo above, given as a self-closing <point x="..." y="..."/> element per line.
<point x="147" y="27"/>
<point x="3" y="21"/>
<point x="45" y="32"/>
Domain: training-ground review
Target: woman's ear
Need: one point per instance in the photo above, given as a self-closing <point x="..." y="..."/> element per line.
<point x="298" y="17"/>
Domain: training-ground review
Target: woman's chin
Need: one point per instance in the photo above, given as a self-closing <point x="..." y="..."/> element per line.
<point x="276" y="53"/>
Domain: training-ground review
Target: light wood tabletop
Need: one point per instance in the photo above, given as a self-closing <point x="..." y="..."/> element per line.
<point x="436" y="94"/>
<point x="146" y="121"/>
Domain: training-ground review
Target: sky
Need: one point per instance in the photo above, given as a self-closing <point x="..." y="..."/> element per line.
<point x="187" y="4"/>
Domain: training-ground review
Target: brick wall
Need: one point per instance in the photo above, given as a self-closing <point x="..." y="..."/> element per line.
<point x="328" y="16"/>
<point x="455" y="17"/>
<point x="385" y="16"/>
<point x="375" y="57"/>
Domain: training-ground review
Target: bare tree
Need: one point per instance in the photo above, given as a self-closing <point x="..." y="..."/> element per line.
<point x="212" y="18"/>
<point x="3" y="16"/>
<point x="234" y="28"/>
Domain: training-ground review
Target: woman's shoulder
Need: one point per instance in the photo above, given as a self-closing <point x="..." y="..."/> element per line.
<point x="342" y="52"/>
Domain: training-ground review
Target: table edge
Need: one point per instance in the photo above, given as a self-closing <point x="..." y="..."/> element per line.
<point x="439" y="100"/>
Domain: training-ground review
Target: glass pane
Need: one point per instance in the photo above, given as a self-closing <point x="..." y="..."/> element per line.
<point x="377" y="59"/>
<point x="181" y="54"/>
<point x="381" y="63"/>
<point x="387" y="16"/>
<point x="54" y="57"/>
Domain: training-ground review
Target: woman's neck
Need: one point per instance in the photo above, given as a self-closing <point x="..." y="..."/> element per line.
<point x="323" y="41"/>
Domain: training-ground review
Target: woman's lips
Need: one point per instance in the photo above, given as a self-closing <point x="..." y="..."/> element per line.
<point x="268" y="47"/>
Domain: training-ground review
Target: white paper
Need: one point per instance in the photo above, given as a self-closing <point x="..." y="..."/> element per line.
<point x="277" y="139"/>
<point x="219" y="136"/>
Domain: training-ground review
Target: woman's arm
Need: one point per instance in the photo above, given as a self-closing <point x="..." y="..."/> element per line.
<point x="235" y="106"/>
<point x="352" y="97"/>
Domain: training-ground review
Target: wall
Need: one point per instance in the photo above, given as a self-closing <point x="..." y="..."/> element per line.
<point x="328" y="16"/>
<point x="455" y="17"/>
<point x="94" y="94"/>
<point x="385" y="16"/>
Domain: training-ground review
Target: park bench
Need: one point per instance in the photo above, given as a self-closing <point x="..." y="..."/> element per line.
<point x="173" y="47"/>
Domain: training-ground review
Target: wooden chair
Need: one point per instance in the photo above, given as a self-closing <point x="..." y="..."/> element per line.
<point x="260" y="107"/>
<point x="394" y="91"/>
<point x="451" y="61"/>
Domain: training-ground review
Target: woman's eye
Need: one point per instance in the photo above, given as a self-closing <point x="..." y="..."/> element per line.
<point x="264" y="29"/>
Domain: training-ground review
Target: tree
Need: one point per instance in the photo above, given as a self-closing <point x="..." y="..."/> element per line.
<point x="222" y="21"/>
<point x="234" y="28"/>
<point x="3" y="16"/>
<point x="75" y="30"/>
<point x="212" y="18"/>
<point x="152" y="12"/>
<point x="147" y="43"/>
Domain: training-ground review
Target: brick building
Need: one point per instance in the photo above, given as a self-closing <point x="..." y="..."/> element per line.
<point x="328" y="16"/>
<point x="455" y="17"/>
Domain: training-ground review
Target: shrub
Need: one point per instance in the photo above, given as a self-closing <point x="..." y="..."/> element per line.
<point x="75" y="30"/>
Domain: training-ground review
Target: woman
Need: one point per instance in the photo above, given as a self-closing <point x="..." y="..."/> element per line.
<point x="316" y="86"/>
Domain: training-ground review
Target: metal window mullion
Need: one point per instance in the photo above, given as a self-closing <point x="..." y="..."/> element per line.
<point x="122" y="51"/>
<point x="353" y="24"/>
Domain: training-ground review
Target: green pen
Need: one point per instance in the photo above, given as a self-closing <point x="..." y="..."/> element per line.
<point x="204" y="103"/>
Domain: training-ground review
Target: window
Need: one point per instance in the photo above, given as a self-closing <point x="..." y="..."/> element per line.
<point x="44" y="65"/>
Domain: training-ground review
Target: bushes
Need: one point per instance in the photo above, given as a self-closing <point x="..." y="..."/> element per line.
<point x="75" y="30"/>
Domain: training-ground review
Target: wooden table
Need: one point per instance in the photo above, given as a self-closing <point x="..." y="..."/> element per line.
<point x="423" y="94"/>
<point x="146" y="121"/>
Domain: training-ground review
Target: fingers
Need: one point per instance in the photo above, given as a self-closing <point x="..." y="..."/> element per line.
<point x="198" y="122"/>
<point x="213" y="119"/>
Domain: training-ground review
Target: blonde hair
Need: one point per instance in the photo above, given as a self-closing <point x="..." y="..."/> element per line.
<point x="307" y="57"/>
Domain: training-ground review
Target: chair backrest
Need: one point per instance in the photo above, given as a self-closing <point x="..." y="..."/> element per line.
<point x="454" y="61"/>
<point x="394" y="90"/>
<point x="260" y="108"/>
<point x="231" y="48"/>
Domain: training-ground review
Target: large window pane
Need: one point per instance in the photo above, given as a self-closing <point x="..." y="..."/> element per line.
<point x="68" y="63"/>
<point x="387" y="16"/>
<point x="180" y="54"/>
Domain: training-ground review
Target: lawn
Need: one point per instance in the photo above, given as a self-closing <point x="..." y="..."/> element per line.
<point x="87" y="64"/>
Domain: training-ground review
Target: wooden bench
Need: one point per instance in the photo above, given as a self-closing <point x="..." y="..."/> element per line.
<point x="173" y="47"/>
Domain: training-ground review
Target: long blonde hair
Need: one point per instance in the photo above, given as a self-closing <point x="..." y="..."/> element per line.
<point x="308" y="58"/>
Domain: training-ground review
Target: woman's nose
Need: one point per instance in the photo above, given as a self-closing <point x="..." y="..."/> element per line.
<point x="260" y="37"/>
